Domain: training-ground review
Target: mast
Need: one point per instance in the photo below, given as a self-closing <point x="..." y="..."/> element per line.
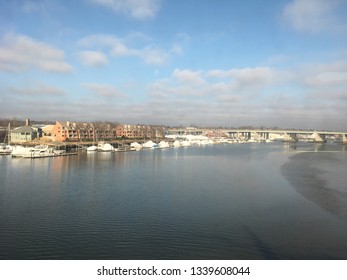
<point x="8" y="134"/>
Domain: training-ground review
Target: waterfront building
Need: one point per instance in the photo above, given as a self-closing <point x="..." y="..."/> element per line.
<point x="78" y="131"/>
<point x="71" y="131"/>
<point x="47" y="133"/>
<point x="24" y="133"/>
<point x="63" y="131"/>
<point x="102" y="131"/>
<point x="139" y="131"/>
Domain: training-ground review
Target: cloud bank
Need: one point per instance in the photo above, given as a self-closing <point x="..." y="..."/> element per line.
<point x="314" y="16"/>
<point x="20" y="53"/>
<point x="93" y="58"/>
<point x="117" y="47"/>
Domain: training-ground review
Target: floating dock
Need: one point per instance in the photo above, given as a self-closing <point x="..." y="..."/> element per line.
<point x="38" y="155"/>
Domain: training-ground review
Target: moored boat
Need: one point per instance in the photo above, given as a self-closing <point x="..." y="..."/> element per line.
<point x="105" y="147"/>
<point x="163" y="144"/>
<point x="150" y="145"/>
<point x="5" y="149"/>
<point x="92" y="148"/>
<point x="136" y="146"/>
<point x="176" y="144"/>
<point x="185" y="143"/>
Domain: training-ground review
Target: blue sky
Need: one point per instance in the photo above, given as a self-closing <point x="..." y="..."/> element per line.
<point x="205" y="62"/>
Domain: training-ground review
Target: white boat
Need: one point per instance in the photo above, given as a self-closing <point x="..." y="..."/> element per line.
<point x="185" y="143"/>
<point x="163" y="144"/>
<point x="176" y="144"/>
<point x="33" y="152"/>
<point x="19" y="151"/>
<point x="149" y="145"/>
<point x="199" y="140"/>
<point x="5" y="149"/>
<point x="92" y="148"/>
<point x="39" y="153"/>
<point x="136" y="146"/>
<point x="105" y="147"/>
<point x="59" y="152"/>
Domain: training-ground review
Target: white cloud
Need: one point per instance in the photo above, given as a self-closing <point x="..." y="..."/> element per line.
<point x="38" y="89"/>
<point x="21" y="53"/>
<point x="331" y="75"/>
<point x="188" y="76"/>
<point x="103" y="90"/>
<point x="138" y="9"/>
<point x="313" y="15"/>
<point x="306" y="96"/>
<point x="234" y="85"/>
<point x="150" y="53"/>
<point x="330" y="80"/>
<point x="154" y="56"/>
<point x="113" y="44"/>
<point x="92" y="58"/>
<point x="253" y="76"/>
<point x="120" y="49"/>
<point x="99" y="40"/>
<point x="176" y="49"/>
<point x="246" y="77"/>
<point x="252" y="96"/>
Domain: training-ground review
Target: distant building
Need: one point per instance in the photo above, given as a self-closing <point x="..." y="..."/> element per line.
<point x="185" y="131"/>
<point x="132" y="131"/>
<point x="47" y="130"/>
<point x="78" y="131"/>
<point x="70" y="131"/>
<point x="139" y="131"/>
<point x="47" y="133"/>
<point x="104" y="131"/>
<point x="23" y="134"/>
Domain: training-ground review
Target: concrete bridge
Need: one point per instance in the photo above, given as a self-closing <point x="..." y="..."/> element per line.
<point x="287" y="135"/>
<point x="263" y="134"/>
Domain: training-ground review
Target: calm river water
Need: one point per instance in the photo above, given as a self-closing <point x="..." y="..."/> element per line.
<point x="239" y="201"/>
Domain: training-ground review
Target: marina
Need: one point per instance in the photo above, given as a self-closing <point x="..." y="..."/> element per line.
<point x="39" y="151"/>
<point x="173" y="139"/>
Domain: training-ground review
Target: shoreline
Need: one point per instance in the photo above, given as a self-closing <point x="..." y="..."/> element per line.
<point x="315" y="182"/>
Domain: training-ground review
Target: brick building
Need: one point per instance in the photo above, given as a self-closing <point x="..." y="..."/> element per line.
<point x="78" y="131"/>
<point x="139" y="131"/>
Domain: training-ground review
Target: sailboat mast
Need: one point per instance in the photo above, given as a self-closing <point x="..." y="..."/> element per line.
<point x="9" y="133"/>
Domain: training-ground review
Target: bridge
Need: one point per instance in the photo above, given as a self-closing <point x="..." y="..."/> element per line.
<point x="287" y="135"/>
<point x="268" y="134"/>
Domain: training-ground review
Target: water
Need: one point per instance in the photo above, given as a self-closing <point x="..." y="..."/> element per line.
<point x="240" y="201"/>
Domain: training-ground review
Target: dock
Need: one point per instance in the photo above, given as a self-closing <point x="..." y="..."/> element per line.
<point x="46" y="155"/>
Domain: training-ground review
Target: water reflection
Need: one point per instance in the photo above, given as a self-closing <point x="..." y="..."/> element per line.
<point x="215" y="202"/>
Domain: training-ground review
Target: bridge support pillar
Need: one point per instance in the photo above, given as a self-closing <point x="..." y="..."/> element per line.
<point x="232" y="135"/>
<point x="290" y="136"/>
<point x="322" y="137"/>
<point x="344" y="138"/>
